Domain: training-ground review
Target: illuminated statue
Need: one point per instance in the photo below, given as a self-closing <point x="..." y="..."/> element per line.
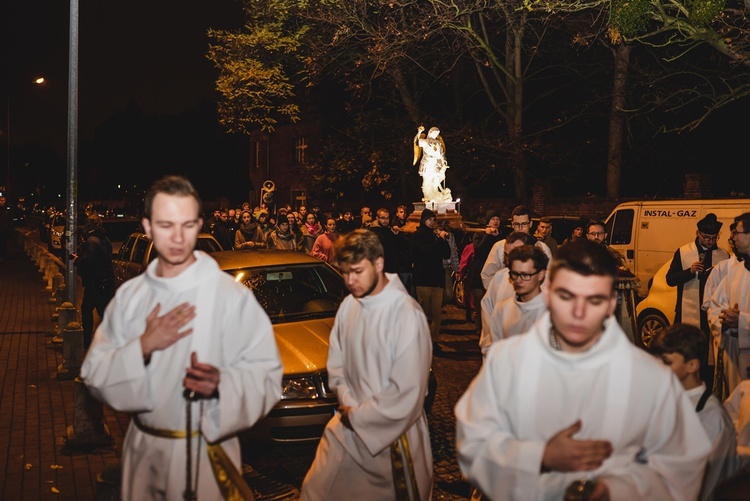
<point x="433" y="165"/>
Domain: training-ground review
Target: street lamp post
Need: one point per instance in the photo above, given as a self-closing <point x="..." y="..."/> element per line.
<point x="37" y="81"/>
<point x="72" y="198"/>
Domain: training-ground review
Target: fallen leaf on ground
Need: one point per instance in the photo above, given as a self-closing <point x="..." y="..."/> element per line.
<point x="28" y="466"/>
<point x="56" y="466"/>
<point x="55" y="490"/>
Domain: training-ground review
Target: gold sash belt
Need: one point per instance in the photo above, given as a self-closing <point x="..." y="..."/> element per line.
<point x="400" y="452"/>
<point x="231" y="484"/>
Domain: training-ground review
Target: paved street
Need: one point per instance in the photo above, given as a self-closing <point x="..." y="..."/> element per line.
<point x="47" y="457"/>
<point x="279" y="470"/>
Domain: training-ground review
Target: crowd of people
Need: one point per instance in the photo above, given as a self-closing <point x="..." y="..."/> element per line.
<point x="564" y="406"/>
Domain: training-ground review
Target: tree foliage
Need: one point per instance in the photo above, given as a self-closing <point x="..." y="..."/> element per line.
<point x="518" y="87"/>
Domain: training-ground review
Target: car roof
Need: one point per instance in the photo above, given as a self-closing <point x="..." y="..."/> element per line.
<point x="232" y="259"/>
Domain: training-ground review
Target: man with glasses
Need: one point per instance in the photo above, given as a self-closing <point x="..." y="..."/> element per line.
<point x="515" y="315"/>
<point x="691" y="265"/>
<point x="520" y="220"/>
<point x="729" y="309"/>
<point x="595" y="232"/>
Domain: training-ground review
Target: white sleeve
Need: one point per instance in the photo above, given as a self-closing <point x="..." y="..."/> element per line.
<point x="494" y="262"/>
<point x="489" y="454"/>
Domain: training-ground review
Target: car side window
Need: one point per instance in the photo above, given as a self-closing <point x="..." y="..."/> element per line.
<point x="207" y="245"/>
<point x="140" y="250"/>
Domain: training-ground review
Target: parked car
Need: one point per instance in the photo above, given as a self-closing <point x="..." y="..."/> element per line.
<point x="656" y="311"/>
<point x="138" y="251"/>
<point x="301" y="295"/>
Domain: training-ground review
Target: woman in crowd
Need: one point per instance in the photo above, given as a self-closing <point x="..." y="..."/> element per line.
<point x="282" y="237"/>
<point x="248" y="235"/>
<point x="311" y="229"/>
<point x="323" y="248"/>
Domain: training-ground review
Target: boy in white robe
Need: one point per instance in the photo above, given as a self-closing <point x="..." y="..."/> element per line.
<point x="500" y="287"/>
<point x="683" y="348"/>
<point x="378" y="445"/>
<point x="573" y="404"/>
<point x="527" y="267"/>
<point x="183" y="333"/>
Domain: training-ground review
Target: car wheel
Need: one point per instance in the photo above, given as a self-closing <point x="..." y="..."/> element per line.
<point x="650" y="323"/>
<point x="458" y="293"/>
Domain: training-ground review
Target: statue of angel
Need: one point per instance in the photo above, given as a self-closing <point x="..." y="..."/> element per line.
<point x="432" y="168"/>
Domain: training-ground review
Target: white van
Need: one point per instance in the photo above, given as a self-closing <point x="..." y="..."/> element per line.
<point x="649" y="232"/>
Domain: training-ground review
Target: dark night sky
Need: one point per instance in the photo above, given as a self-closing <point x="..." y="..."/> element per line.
<point x="152" y="50"/>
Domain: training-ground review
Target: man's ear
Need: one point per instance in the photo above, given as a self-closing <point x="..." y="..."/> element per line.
<point x="693" y="366"/>
<point x="146" y="224"/>
<point x="379" y="264"/>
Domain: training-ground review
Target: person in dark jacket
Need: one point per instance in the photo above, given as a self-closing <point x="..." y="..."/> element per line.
<point x="220" y="231"/>
<point x="94" y="265"/>
<point x="430" y="246"/>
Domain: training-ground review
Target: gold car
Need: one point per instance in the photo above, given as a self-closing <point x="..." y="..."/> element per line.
<point x="301" y="295"/>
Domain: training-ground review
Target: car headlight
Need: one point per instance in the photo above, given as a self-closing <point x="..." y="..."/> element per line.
<point x="298" y="388"/>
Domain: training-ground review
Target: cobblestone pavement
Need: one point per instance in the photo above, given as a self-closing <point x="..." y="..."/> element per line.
<point x="276" y="471"/>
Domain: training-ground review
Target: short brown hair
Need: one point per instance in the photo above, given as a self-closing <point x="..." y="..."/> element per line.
<point x="357" y="245"/>
<point x="585" y="257"/>
<point x="170" y="185"/>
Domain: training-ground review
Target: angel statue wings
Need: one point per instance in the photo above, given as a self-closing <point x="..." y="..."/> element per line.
<point x="433" y="165"/>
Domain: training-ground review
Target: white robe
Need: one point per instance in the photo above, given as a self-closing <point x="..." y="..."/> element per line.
<point x="496" y="260"/>
<point x="378" y="363"/>
<point x="735" y="342"/>
<point x="512" y="317"/>
<point x="498" y="291"/>
<point x="723" y="460"/>
<point x="717" y="274"/>
<point x="737" y="406"/>
<point x="231" y="331"/>
<point x="526" y="392"/>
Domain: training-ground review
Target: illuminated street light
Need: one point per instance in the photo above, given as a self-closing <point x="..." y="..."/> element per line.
<point x="37" y="81"/>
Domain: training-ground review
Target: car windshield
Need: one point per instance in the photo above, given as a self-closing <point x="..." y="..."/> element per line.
<point x="294" y="293"/>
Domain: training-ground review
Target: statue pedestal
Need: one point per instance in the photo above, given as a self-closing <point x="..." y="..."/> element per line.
<point x="444" y="211"/>
<point x="437" y="207"/>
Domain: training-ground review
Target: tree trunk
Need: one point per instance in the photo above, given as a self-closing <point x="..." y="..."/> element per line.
<point x="617" y="119"/>
<point x="515" y="114"/>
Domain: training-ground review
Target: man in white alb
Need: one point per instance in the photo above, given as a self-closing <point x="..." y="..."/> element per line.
<point x="183" y="339"/>
<point x="377" y="446"/>
<point x="729" y="310"/>
<point x="527" y="269"/>
<point x="572" y="405"/>
<point x="500" y="287"/>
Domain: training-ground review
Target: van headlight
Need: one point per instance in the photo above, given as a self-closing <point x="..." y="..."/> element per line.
<point x="299" y="388"/>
